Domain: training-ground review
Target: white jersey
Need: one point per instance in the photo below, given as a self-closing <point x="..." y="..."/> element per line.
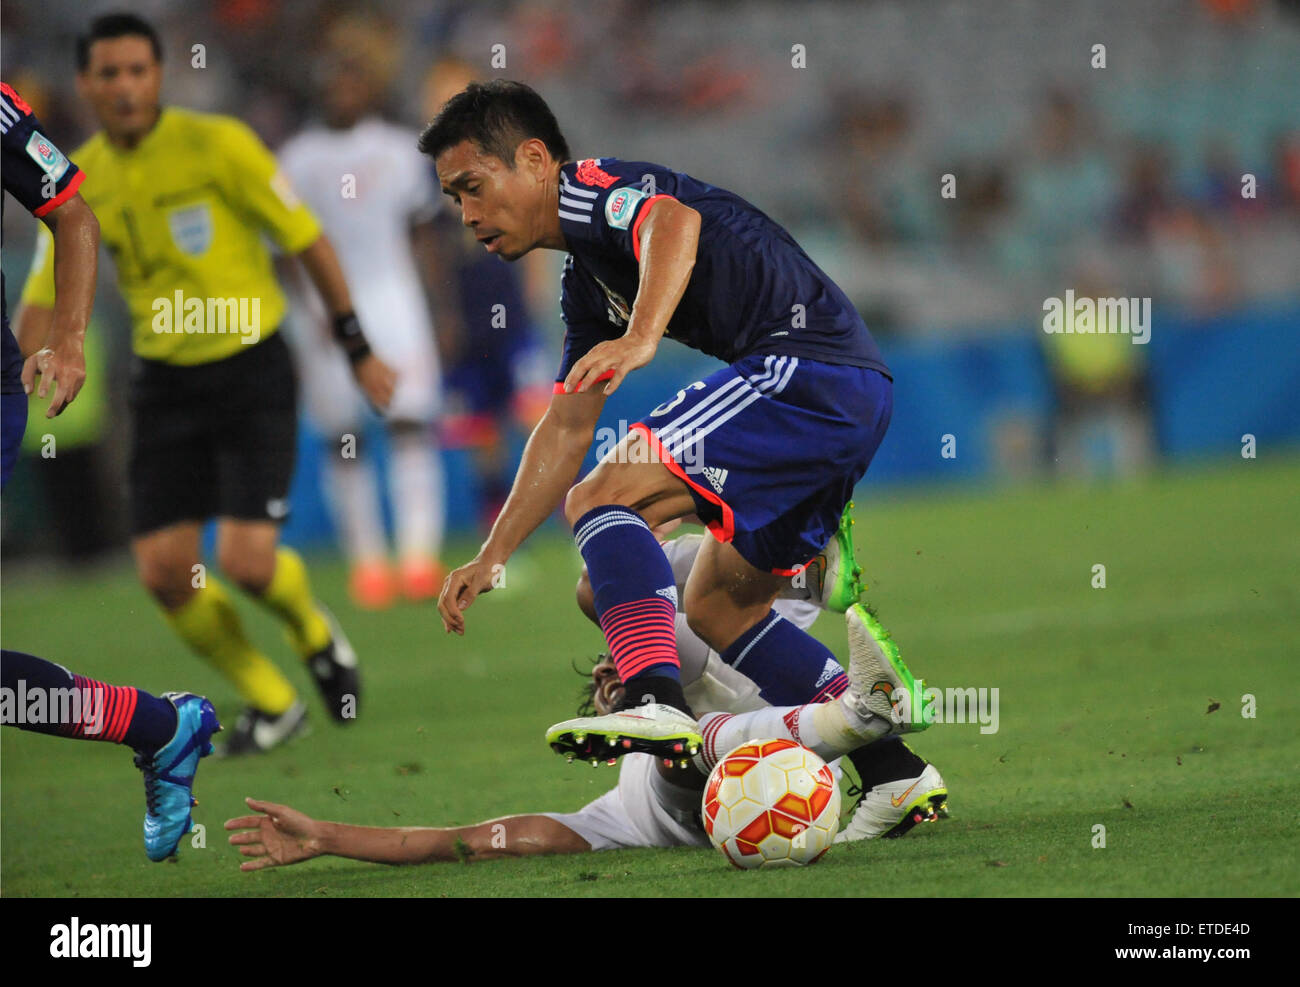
<point x="638" y="812"/>
<point x="634" y="812"/>
<point x="367" y="185"/>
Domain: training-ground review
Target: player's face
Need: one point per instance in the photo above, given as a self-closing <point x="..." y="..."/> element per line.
<point x="609" y="687"/>
<point x="122" y="81"/>
<point x="505" y="207"/>
<point x="350" y="92"/>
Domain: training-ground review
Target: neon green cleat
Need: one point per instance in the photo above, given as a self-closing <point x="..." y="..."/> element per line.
<point x="840" y="576"/>
<point x="654" y="728"/>
<point x="880" y="684"/>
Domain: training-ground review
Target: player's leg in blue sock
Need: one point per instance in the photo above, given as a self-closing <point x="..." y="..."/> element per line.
<point x="635" y="597"/>
<point x="46" y="698"/>
<point x="789" y="666"/>
<point x="729" y="604"/>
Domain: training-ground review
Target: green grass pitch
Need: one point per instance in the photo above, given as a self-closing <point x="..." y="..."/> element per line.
<point x="1103" y="712"/>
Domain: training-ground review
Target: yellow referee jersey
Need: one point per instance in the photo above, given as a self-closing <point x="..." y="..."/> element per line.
<point x="183" y="214"/>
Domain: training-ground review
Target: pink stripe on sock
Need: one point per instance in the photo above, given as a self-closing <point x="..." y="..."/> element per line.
<point x="126" y="699"/>
<point x="104" y="712"/>
<point x="710" y="737"/>
<point x="641" y="634"/>
<point x="835" y="688"/>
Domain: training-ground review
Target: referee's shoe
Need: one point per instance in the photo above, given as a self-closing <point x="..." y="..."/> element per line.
<point x="334" y="667"/>
<point x="257" y="732"/>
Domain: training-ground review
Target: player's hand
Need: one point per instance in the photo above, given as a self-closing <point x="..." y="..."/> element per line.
<point x="463" y="585"/>
<point x="377" y="380"/>
<point x="280" y="837"/>
<point x="621" y="356"/>
<point x="63" y="368"/>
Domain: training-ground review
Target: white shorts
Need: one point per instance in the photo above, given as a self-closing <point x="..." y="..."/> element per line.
<point x="632" y="814"/>
<point x="399" y="335"/>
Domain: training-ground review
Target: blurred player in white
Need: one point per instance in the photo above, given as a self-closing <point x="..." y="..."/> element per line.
<point x="373" y="194"/>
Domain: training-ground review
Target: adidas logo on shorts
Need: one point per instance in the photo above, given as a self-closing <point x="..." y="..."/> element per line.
<point x="715" y="476"/>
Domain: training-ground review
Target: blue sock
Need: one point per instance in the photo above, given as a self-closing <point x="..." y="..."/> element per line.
<point x="117" y="713"/>
<point x="789" y="666"/>
<point x="635" y="594"/>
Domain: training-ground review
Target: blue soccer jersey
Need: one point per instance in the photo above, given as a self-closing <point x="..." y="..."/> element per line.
<point x="753" y="290"/>
<point x="36" y="173"/>
<point x="41" y="178"/>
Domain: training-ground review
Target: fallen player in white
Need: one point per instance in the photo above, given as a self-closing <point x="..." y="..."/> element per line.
<point x="898" y="788"/>
<point x="653" y="805"/>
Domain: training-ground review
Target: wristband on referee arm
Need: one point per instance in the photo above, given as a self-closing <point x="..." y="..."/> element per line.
<point x="348" y="334"/>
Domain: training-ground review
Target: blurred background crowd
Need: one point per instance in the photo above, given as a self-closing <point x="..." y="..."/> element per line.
<point x="1114" y="148"/>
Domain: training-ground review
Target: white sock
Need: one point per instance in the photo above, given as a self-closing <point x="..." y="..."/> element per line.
<point x="841" y="729"/>
<point x="416" y="483"/>
<point x="829" y="730"/>
<point x="723" y="732"/>
<point x="353" y="496"/>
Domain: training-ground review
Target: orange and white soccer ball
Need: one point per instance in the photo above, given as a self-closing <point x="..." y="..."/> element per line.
<point x="771" y="803"/>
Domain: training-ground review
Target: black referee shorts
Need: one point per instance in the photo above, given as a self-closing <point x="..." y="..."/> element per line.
<point x="213" y="440"/>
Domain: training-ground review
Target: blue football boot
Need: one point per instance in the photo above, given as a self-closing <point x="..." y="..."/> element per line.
<point x="169" y="774"/>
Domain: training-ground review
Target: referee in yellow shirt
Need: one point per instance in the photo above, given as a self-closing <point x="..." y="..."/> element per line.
<point x="183" y="200"/>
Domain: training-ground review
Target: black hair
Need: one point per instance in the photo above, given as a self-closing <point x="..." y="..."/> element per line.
<point x="497" y="116"/>
<point x="116" y="26"/>
<point x="587" y="694"/>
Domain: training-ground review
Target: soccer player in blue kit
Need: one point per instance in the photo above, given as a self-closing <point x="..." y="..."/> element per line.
<point x="168" y="733"/>
<point x="766" y="451"/>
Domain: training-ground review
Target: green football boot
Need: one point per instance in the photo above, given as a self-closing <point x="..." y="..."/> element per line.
<point x="880" y="684"/>
<point x="840" y="576"/>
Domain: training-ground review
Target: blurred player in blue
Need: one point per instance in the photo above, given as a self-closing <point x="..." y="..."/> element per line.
<point x="169" y="733"/>
<point x="765" y="451"/>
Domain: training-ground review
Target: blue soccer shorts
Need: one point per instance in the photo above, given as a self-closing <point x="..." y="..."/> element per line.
<point x="13" y="420"/>
<point x="771" y="448"/>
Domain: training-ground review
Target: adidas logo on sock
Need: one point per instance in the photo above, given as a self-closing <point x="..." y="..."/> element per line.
<point x="715" y="476"/>
<point x="668" y="593"/>
<point x="832" y="669"/>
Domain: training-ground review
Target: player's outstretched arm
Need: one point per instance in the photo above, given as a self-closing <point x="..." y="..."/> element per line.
<point x="375" y="377"/>
<point x="278" y="836"/>
<point x="669" y="239"/>
<point x="550" y="464"/>
<point x="53" y="340"/>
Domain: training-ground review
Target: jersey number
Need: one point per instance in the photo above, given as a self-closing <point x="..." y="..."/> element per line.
<point x="668" y="406"/>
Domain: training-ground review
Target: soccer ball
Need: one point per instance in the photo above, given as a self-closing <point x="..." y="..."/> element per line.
<point x="771" y="803"/>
